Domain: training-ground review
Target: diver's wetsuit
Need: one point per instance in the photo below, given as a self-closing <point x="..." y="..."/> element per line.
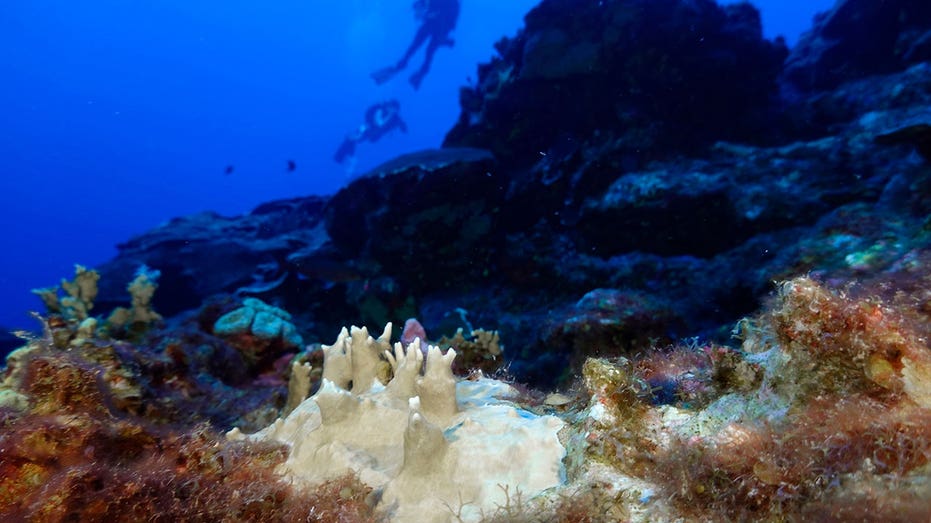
<point x="438" y="18"/>
<point x="380" y="119"/>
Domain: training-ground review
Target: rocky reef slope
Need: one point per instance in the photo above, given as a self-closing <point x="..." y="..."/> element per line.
<point x="619" y="197"/>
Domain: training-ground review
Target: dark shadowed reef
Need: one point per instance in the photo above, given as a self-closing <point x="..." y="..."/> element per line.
<point x="631" y="197"/>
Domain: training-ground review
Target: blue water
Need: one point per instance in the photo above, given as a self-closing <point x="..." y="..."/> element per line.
<point x="119" y="115"/>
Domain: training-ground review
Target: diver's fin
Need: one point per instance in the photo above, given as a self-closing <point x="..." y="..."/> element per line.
<point x="383" y="75"/>
<point x="346" y="150"/>
<point x="417" y="78"/>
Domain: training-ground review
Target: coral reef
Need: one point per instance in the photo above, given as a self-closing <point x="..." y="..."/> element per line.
<point x="823" y="412"/>
<point x="630" y="204"/>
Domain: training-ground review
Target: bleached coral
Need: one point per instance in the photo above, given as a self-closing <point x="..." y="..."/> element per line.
<point x="81" y="292"/>
<point x="142" y="290"/>
<point x="436" y="449"/>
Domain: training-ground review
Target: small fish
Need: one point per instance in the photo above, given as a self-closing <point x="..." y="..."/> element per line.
<point x="291" y="166"/>
<point x="229" y="170"/>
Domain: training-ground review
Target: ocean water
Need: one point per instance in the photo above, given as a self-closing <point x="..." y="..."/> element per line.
<point x="118" y="116"/>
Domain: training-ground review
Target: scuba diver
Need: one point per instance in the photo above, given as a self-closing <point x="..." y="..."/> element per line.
<point x="380" y="119"/>
<point x="437" y="20"/>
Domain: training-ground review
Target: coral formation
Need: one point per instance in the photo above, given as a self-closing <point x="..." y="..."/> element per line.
<point x="141" y="290"/>
<point x="482" y="352"/>
<point x="434" y="448"/>
<point x="70" y="321"/>
<point x="258" y="330"/>
<point x="80" y="294"/>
